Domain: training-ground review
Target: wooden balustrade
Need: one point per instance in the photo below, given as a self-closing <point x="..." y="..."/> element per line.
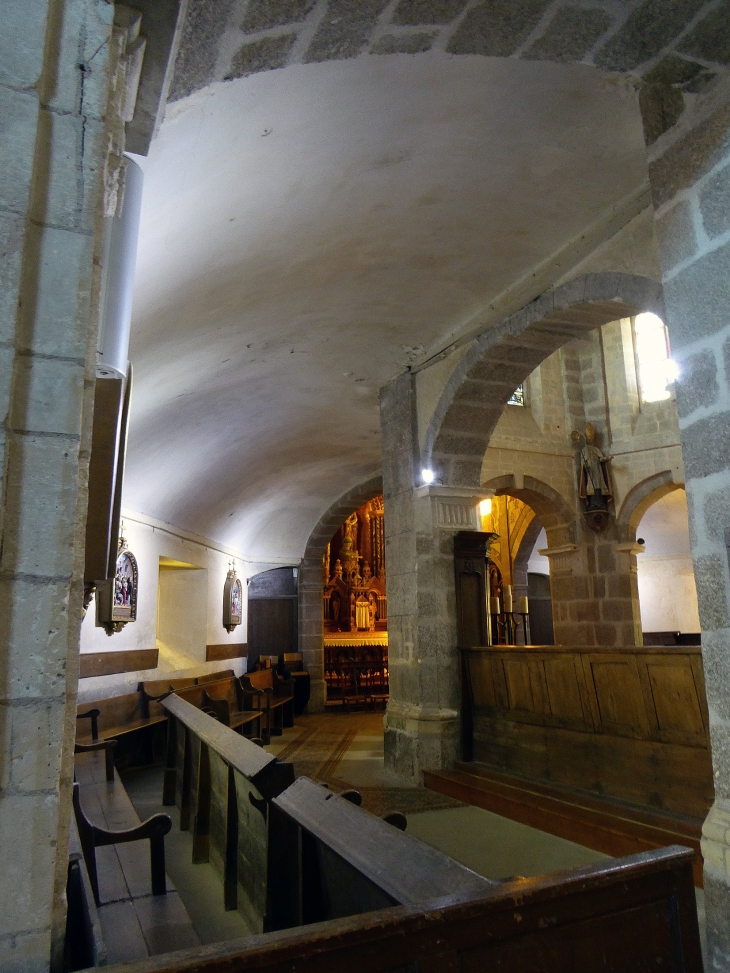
<point x="628" y="723"/>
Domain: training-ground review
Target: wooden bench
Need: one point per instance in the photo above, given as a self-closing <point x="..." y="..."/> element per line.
<point x="220" y="699"/>
<point x="631" y="915"/>
<point x="129" y="719"/>
<point x="266" y="691"/>
<point x="333" y="859"/>
<point x="124" y="878"/>
<point x="222" y="784"/>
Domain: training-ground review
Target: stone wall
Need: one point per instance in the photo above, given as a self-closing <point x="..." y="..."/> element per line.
<point x="690" y="178"/>
<point x="54" y="67"/>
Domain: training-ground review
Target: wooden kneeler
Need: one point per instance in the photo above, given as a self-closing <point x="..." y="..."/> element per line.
<point x="154" y="829"/>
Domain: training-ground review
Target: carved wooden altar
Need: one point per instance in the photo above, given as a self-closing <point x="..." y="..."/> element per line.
<point x="355" y="598"/>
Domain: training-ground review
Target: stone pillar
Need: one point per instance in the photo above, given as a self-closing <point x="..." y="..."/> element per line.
<point x="690" y="183"/>
<point x="594" y="591"/>
<point x="311" y="630"/>
<point x="422" y="721"/>
<point x="53" y="94"/>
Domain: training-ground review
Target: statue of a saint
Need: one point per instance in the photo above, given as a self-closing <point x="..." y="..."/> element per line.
<point x="594" y="485"/>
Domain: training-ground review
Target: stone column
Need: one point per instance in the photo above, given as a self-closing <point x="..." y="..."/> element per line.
<point x="422" y="721"/>
<point x="311" y="630"/>
<point x="690" y="183"/>
<point x="595" y="593"/>
<point x="53" y="94"/>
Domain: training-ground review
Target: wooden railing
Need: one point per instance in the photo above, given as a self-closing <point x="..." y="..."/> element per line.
<point x="630" y="722"/>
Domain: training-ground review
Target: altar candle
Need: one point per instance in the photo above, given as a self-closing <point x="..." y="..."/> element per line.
<point x="507" y="597"/>
<point x="523" y="605"/>
<point x="494" y="605"/>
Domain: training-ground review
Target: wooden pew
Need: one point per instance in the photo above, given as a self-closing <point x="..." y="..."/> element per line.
<point x="220" y="699"/>
<point x="333" y="859"/>
<point x="222" y="784"/>
<point x="631" y="915"/>
<point x="136" y="919"/>
<point x="266" y="691"/>
<point x="117" y="717"/>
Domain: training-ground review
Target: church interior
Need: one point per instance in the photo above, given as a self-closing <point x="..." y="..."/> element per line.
<point x="365" y="506"/>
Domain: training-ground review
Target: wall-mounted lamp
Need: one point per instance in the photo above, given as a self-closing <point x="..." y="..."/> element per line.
<point x="428" y="476"/>
<point x="485" y="507"/>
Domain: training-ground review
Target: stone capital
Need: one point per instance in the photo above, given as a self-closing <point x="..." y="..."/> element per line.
<point x="454" y="508"/>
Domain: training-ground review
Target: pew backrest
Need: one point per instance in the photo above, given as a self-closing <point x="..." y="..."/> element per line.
<point x="340" y="860"/>
<point x="630" y="915"/>
<point x="119" y="715"/>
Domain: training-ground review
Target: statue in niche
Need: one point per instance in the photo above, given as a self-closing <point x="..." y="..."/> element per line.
<point x="366" y="572"/>
<point x="594" y="485"/>
<point x="338" y="568"/>
<point x="372" y="610"/>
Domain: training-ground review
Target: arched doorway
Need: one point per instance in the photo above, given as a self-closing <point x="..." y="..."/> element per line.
<point x="310" y="585"/>
<point x="667" y="591"/>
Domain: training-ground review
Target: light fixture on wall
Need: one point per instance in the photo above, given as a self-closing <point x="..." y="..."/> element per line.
<point x="428" y="476"/>
<point x="485" y="507"/>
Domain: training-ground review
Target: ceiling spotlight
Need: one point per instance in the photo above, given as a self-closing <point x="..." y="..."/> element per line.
<point x="428" y="476"/>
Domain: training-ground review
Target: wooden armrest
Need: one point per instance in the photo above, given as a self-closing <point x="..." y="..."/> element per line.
<point x="146" y="698"/>
<point x="154" y="829"/>
<point x="107" y="746"/>
<point x="92" y="715"/>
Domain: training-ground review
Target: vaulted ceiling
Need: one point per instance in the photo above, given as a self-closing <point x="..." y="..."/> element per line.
<point x="310" y="232"/>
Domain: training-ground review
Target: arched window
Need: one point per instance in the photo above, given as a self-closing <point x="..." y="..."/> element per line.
<point x="656" y="369"/>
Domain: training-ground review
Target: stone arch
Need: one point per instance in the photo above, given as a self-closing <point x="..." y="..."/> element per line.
<point x="520" y="29"/>
<point x="311" y="629"/>
<point x="552" y="510"/>
<point x="504" y="355"/>
<point x="640" y="498"/>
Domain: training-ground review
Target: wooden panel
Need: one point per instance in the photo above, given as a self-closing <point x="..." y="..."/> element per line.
<point x="519" y="690"/>
<point x="271" y="626"/>
<point x="110" y="663"/>
<point x="482" y="681"/>
<point x="100" y="544"/>
<point x="666" y="776"/>
<point x="538" y="687"/>
<point x="563" y="690"/>
<point x="620" y="705"/>
<point x="676" y="702"/>
<point x="252" y="865"/>
<point x="229" y="650"/>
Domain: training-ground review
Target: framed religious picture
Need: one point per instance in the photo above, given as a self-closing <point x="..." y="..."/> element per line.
<point x="232" y="601"/>
<point x="116" y="599"/>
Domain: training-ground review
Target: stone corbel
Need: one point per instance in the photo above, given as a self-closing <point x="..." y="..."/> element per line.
<point x="631" y="547"/>
<point x="455" y="508"/>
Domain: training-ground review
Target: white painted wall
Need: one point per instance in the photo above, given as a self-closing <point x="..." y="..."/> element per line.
<point x="667" y="593"/>
<point x="199" y="606"/>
